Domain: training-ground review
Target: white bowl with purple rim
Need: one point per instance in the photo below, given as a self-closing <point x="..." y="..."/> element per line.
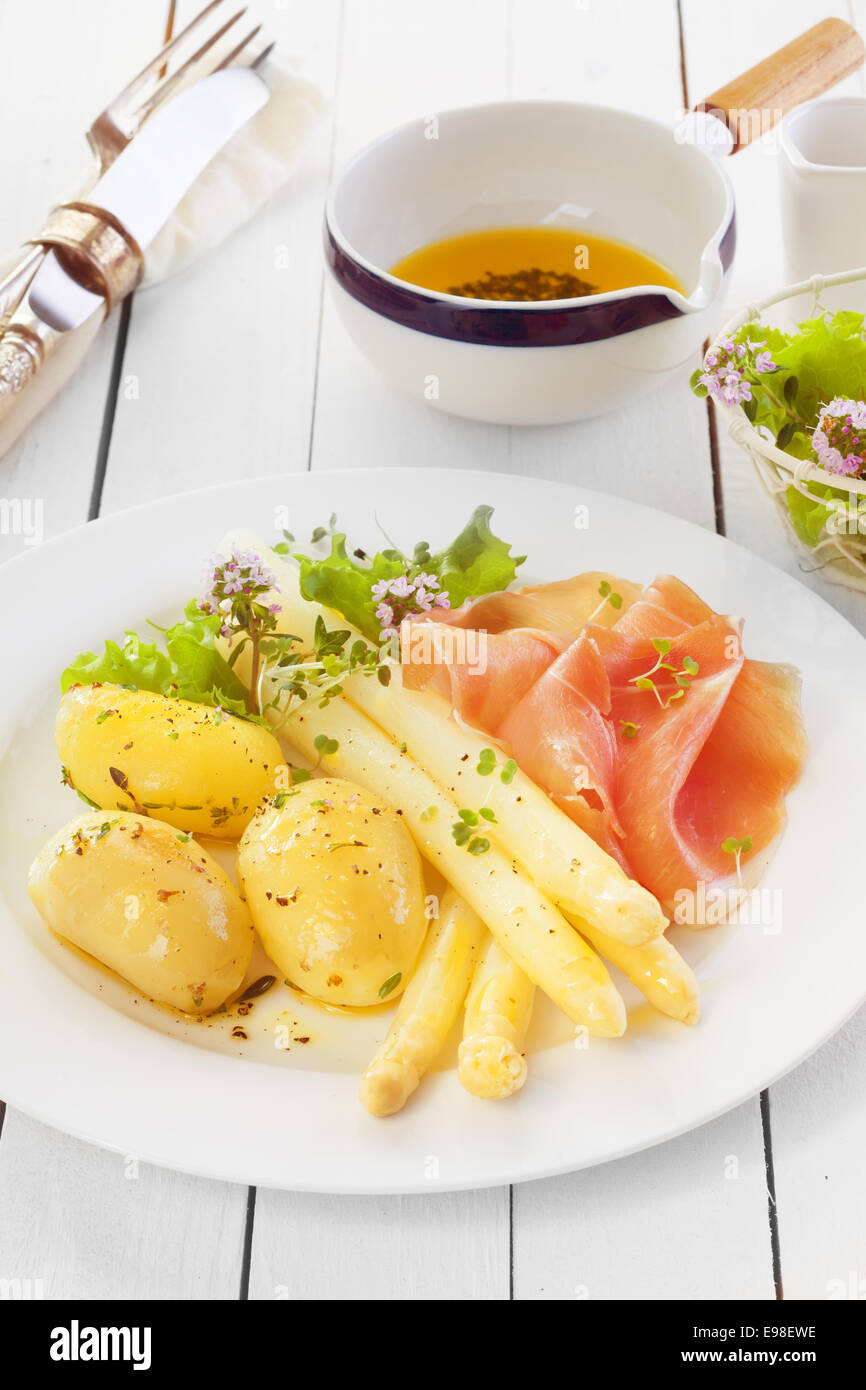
<point x="597" y="169"/>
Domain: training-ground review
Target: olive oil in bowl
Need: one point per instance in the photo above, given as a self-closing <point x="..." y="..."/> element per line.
<point x="530" y="264"/>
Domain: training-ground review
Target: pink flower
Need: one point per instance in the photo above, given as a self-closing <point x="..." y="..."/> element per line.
<point x="401" y="598"/>
<point x="726" y="368"/>
<point x="736" y="389"/>
<point x="242" y="573"/>
<point x="385" y="614"/>
<point x="839" y="438"/>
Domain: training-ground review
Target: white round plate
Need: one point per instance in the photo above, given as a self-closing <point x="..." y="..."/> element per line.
<point x="80" y="1051"/>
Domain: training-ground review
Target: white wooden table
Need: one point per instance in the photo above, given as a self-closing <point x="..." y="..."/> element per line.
<point x="166" y="404"/>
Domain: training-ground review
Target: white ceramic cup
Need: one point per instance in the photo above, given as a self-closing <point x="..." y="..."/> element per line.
<point x="823" y="194"/>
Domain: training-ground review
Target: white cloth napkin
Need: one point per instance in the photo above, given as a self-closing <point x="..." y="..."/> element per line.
<point x="238" y="181"/>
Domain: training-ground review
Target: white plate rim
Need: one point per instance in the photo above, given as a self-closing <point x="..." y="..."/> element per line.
<point x="300" y="1177"/>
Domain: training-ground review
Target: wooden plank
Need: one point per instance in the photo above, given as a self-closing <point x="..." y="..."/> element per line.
<point x="220" y="366"/>
<point x="818" y="1115"/>
<point x="449" y="1246"/>
<point x="641" y="1227"/>
<point x="92" y="49"/>
<point x="70" y="1215"/>
<point x="399" y="62"/>
<point x="819" y="1131"/>
<point x="85" y="1223"/>
<point x="686" y="1220"/>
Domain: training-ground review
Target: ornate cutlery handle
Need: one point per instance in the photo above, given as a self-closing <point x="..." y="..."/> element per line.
<point x="101" y="256"/>
<point x="22" y="352"/>
<point x="16" y="283"/>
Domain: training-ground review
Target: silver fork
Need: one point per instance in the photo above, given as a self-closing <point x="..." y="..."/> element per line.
<point x="123" y="117"/>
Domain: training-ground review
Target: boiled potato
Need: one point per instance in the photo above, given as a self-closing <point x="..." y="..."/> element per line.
<point x="148" y="903"/>
<point x="334" y="884"/>
<point x="195" y="767"/>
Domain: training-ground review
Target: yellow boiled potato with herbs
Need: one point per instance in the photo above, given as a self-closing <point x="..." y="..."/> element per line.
<point x="149" y="903"/>
<point x="334" y="884"/>
<point x="196" y="767"/>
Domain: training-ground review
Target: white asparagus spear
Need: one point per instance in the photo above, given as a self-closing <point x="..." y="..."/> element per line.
<point x="524" y="922"/>
<point x="565" y="862"/>
<point x="428" y="1008"/>
<point x="490" y="1060"/>
<point x="656" y="968"/>
<point x="562" y="859"/>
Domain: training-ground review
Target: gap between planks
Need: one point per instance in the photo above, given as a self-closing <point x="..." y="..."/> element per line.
<point x="719" y="510"/>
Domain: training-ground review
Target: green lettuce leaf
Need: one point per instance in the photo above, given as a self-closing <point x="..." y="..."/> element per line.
<point x="476" y="563"/>
<point x="190" y="666"/>
<point x="809" y="515"/>
<point x="827" y="358"/>
<point x="341" y="583"/>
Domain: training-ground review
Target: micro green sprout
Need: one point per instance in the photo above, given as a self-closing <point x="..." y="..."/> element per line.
<point x="682" y="677"/>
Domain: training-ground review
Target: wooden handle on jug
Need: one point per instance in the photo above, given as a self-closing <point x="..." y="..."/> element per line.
<point x="751" y="104"/>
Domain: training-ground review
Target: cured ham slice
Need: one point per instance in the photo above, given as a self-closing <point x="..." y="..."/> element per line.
<point x="482" y="678"/>
<point x="662" y="731"/>
<point x="562" y="607"/>
<point x="750" y="761"/>
<point x="644" y="723"/>
<point x="524" y="631"/>
<point x="561" y="735"/>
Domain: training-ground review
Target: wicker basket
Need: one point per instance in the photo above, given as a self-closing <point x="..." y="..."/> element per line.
<point x="840" y="554"/>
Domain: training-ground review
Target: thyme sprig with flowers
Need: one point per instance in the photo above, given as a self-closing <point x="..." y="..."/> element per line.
<point x="731" y="368"/>
<point x="376" y="592"/>
<point x="805" y="391"/>
<point x="237" y="586"/>
<point x="681" y="677"/>
<point x="196" y="658"/>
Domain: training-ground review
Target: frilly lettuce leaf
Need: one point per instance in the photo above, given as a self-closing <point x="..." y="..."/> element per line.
<point x="338" y="581"/>
<point x="476" y="563"/>
<point x="190" y="667"/>
<point x="809" y="515"/>
<point x="824" y="359"/>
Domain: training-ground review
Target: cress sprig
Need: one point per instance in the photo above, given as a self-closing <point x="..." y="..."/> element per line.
<point x="608" y="596"/>
<point x="737" y="848"/>
<point x="682" y="676"/>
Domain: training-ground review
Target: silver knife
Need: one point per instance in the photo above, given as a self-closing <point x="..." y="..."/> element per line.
<point x="149" y="178"/>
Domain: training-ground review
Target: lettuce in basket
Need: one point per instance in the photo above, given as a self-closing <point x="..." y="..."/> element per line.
<point x="807" y="392"/>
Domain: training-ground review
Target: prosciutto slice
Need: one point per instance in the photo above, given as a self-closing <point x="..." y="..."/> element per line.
<point x="562" y="736"/>
<point x="660" y="773"/>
